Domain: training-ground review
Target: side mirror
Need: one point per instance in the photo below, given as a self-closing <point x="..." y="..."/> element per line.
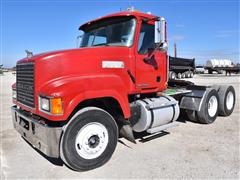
<point x="157" y="38"/>
<point x="161" y="34"/>
<point x="78" y="41"/>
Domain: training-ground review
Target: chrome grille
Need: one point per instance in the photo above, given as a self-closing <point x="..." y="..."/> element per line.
<point x="25" y="84"/>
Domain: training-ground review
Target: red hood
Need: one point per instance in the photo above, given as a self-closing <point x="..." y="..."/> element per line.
<point x="91" y="52"/>
<point x="75" y="62"/>
<point x="79" y="70"/>
<point x="52" y="54"/>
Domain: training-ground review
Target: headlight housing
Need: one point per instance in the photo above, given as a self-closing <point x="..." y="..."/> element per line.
<point x="51" y="105"/>
<point x="14" y="94"/>
<point x="44" y="104"/>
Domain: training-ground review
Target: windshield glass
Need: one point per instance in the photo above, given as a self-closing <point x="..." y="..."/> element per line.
<point x="115" y="32"/>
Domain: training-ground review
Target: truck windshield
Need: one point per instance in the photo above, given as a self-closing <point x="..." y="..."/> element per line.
<point x="115" y="32"/>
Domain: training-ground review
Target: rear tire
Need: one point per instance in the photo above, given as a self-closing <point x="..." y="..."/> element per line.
<point x="184" y="75"/>
<point x="226" y="100"/>
<point x="172" y="75"/>
<point x="179" y="76"/>
<point x="191" y="74"/>
<point x="187" y="74"/>
<point x="89" y="140"/>
<point x="209" y="109"/>
<point x="191" y="114"/>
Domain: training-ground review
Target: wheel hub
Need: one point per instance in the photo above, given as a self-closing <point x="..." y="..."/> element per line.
<point x="91" y="140"/>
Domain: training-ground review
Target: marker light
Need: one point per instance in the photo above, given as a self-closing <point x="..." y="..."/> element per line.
<point x="56" y="106"/>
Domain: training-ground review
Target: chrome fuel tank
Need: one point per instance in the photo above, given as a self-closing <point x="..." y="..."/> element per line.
<point x="156" y="112"/>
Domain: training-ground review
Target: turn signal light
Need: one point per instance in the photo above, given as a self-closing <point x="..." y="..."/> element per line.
<point x="56" y="106"/>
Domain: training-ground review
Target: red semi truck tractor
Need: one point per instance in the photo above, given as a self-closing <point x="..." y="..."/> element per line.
<point x="74" y="104"/>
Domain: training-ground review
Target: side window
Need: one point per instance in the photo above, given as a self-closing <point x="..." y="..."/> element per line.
<point x="146" y="38"/>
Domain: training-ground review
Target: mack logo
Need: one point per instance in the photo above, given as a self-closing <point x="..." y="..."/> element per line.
<point x="112" y="64"/>
<point x="25" y="87"/>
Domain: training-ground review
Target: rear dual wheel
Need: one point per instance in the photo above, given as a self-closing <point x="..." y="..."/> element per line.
<point x="187" y="74"/>
<point x="183" y="75"/>
<point x="218" y="100"/>
<point x="191" y="74"/>
<point x="172" y="75"/>
<point x="209" y="108"/>
<point x="179" y="76"/>
<point x="89" y="140"/>
<point x="226" y="99"/>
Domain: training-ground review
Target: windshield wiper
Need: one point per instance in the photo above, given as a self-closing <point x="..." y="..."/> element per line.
<point x="101" y="44"/>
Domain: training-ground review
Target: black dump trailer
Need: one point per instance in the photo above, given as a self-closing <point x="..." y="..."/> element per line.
<point x="181" y="67"/>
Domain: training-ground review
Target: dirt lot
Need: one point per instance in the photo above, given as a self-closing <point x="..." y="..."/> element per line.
<point x="190" y="150"/>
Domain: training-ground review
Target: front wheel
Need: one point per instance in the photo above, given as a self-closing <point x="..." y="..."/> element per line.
<point x="89" y="139"/>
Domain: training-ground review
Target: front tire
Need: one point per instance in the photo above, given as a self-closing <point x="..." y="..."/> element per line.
<point x="89" y="139"/>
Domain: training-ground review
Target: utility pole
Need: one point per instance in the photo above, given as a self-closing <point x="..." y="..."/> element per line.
<point x="175" y="50"/>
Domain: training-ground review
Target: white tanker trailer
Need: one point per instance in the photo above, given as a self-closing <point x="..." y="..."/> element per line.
<point x="220" y="65"/>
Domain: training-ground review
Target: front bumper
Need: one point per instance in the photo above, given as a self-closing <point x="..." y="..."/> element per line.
<point x="40" y="136"/>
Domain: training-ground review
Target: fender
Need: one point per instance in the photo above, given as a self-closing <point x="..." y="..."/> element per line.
<point x="75" y="89"/>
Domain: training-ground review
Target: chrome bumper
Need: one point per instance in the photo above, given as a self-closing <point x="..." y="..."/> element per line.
<point x="42" y="137"/>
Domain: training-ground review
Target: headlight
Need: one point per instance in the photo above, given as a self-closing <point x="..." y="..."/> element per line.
<point x="14" y="94"/>
<point x="44" y="104"/>
<point x="51" y="105"/>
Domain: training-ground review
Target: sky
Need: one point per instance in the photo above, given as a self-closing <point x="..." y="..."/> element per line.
<point x="202" y="30"/>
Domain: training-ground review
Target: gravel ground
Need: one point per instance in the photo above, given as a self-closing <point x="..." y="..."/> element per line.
<point x="190" y="150"/>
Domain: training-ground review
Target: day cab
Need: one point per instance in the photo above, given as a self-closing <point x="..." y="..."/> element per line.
<point x="74" y="103"/>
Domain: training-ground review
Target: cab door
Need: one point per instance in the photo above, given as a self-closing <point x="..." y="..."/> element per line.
<point x="150" y="73"/>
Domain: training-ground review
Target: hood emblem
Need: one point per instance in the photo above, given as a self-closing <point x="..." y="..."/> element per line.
<point x="112" y="64"/>
<point x="29" y="54"/>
